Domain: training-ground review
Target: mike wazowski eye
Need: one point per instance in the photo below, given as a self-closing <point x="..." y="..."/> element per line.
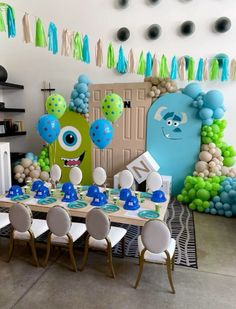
<point x="69" y="138"/>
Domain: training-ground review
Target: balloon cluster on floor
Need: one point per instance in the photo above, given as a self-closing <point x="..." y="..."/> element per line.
<point x="212" y="188"/>
<point x="80" y="96"/>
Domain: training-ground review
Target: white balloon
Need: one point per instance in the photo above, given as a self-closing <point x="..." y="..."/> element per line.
<point x="154" y="181"/>
<point x="55" y="172"/>
<point x="126" y="179"/>
<point x="75" y="175"/>
<point x="99" y="176"/>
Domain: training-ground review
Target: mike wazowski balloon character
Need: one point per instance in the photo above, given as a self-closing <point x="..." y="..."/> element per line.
<point x="73" y="147"/>
<point x="174" y="124"/>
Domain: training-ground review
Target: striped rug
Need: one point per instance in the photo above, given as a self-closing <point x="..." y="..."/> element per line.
<point x="180" y="221"/>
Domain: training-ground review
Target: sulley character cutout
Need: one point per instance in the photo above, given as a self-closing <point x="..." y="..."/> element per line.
<point x="173" y="134"/>
<point x="73" y="147"/>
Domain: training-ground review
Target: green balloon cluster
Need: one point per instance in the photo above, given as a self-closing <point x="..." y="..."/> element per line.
<point x="197" y="192"/>
<point x="214" y="134"/>
<point x="43" y="159"/>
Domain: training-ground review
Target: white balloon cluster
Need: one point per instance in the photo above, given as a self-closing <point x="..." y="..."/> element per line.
<point x="210" y="163"/>
<point x="161" y="86"/>
<point x="29" y="170"/>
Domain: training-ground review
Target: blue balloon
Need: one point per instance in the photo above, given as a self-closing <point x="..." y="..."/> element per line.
<point x="48" y="127"/>
<point x="101" y="133"/>
<point x="74" y="94"/>
<point x="213" y="99"/>
<point x="82" y="96"/>
<point x="193" y="90"/>
<point x="207" y="122"/>
<point x="218" y="113"/>
<point x="205" y="113"/>
<point x="84" y="79"/>
<point x="82" y="88"/>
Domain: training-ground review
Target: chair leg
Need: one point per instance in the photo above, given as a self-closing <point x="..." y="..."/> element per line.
<point x="86" y="249"/>
<point x="72" y="257"/>
<point x="168" y="267"/>
<point x="141" y="264"/>
<point x="123" y="247"/>
<point x="173" y="262"/>
<point x="109" y="255"/>
<point x="34" y="253"/>
<point x="48" y="251"/>
<point x="11" y="247"/>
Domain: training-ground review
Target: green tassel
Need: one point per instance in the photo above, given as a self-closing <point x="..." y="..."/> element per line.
<point x="214" y="69"/>
<point x="163" y="67"/>
<point x="40" y="38"/>
<point x="191" y="69"/>
<point x="78" y="47"/>
<point x="111" y="62"/>
<point x="2" y="23"/>
<point x="141" y="65"/>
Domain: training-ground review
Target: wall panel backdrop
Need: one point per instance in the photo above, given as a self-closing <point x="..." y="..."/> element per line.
<point x="31" y="66"/>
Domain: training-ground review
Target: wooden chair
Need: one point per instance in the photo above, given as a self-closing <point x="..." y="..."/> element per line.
<point x="156" y="246"/>
<point x="101" y="236"/>
<point x="63" y="232"/>
<point x="25" y="228"/>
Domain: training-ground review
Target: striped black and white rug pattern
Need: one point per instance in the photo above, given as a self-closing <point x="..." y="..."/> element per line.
<point x="180" y="221"/>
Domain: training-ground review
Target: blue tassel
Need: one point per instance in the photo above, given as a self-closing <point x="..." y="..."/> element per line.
<point x="225" y="69"/>
<point x="52" y="38"/>
<point x="199" y="74"/>
<point x="121" y="65"/>
<point x="148" y="71"/>
<point x="11" y="25"/>
<point x="174" y="68"/>
<point x="86" y="54"/>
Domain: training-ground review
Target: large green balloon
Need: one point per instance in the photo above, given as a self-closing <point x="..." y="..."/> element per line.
<point x="112" y="107"/>
<point x="56" y="105"/>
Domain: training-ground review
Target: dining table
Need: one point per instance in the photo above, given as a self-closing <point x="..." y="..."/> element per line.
<point x="80" y="208"/>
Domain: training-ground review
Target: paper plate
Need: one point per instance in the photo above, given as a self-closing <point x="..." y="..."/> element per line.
<point x="148" y="214"/>
<point x="47" y="201"/>
<point x="19" y="198"/>
<point x="109" y="208"/>
<point x="77" y="204"/>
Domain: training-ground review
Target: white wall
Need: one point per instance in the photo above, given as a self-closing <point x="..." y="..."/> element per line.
<point x="31" y="66"/>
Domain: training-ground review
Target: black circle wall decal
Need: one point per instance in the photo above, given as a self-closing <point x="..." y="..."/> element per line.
<point x="154" y="1"/>
<point x="222" y="24"/>
<point x="123" y="3"/>
<point x="123" y="34"/>
<point x="154" y="31"/>
<point x="187" y="28"/>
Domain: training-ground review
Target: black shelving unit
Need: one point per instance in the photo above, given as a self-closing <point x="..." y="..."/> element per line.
<point x="4" y="85"/>
<point x="12" y="110"/>
<point x="13" y="134"/>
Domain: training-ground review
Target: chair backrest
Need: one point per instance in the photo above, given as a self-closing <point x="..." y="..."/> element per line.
<point x="59" y="221"/>
<point x="20" y="217"/>
<point x="97" y="224"/>
<point x="155" y="236"/>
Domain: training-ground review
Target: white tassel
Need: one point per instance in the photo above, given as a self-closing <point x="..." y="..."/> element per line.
<point x="182" y="68"/>
<point x="233" y="70"/>
<point x="205" y="69"/>
<point x="66" y="46"/>
<point x="99" y="53"/>
<point x="154" y="66"/>
<point x="131" y="61"/>
<point x="26" y="29"/>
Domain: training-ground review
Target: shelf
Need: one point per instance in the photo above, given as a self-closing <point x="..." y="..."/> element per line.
<point x="10" y="86"/>
<point x="12" y="110"/>
<point x="13" y="134"/>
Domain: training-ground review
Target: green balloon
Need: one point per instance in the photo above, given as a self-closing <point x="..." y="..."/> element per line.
<point x="229" y="161"/>
<point x="203" y="195"/>
<point x="112" y="107"/>
<point x="56" y="105"/>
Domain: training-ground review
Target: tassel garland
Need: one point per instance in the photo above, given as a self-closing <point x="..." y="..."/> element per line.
<point x="148" y="71"/>
<point x="174" y="67"/>
<point x="141" y="65"/>
<point x="98" y="53"/>
<point x="40" y="38"/>
<point x="85" y="50"/>
<point x="52" y="38"/>
<point x="121" y="65"/>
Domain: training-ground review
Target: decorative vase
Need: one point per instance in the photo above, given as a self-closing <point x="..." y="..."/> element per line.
<point x="3" y="74"/>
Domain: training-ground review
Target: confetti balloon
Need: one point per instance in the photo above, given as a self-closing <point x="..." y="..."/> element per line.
<point x="112" y="107"/>
<point x="101" y="133"/>
<point x="48" y="128"/>
<point x="56" y="105"/>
